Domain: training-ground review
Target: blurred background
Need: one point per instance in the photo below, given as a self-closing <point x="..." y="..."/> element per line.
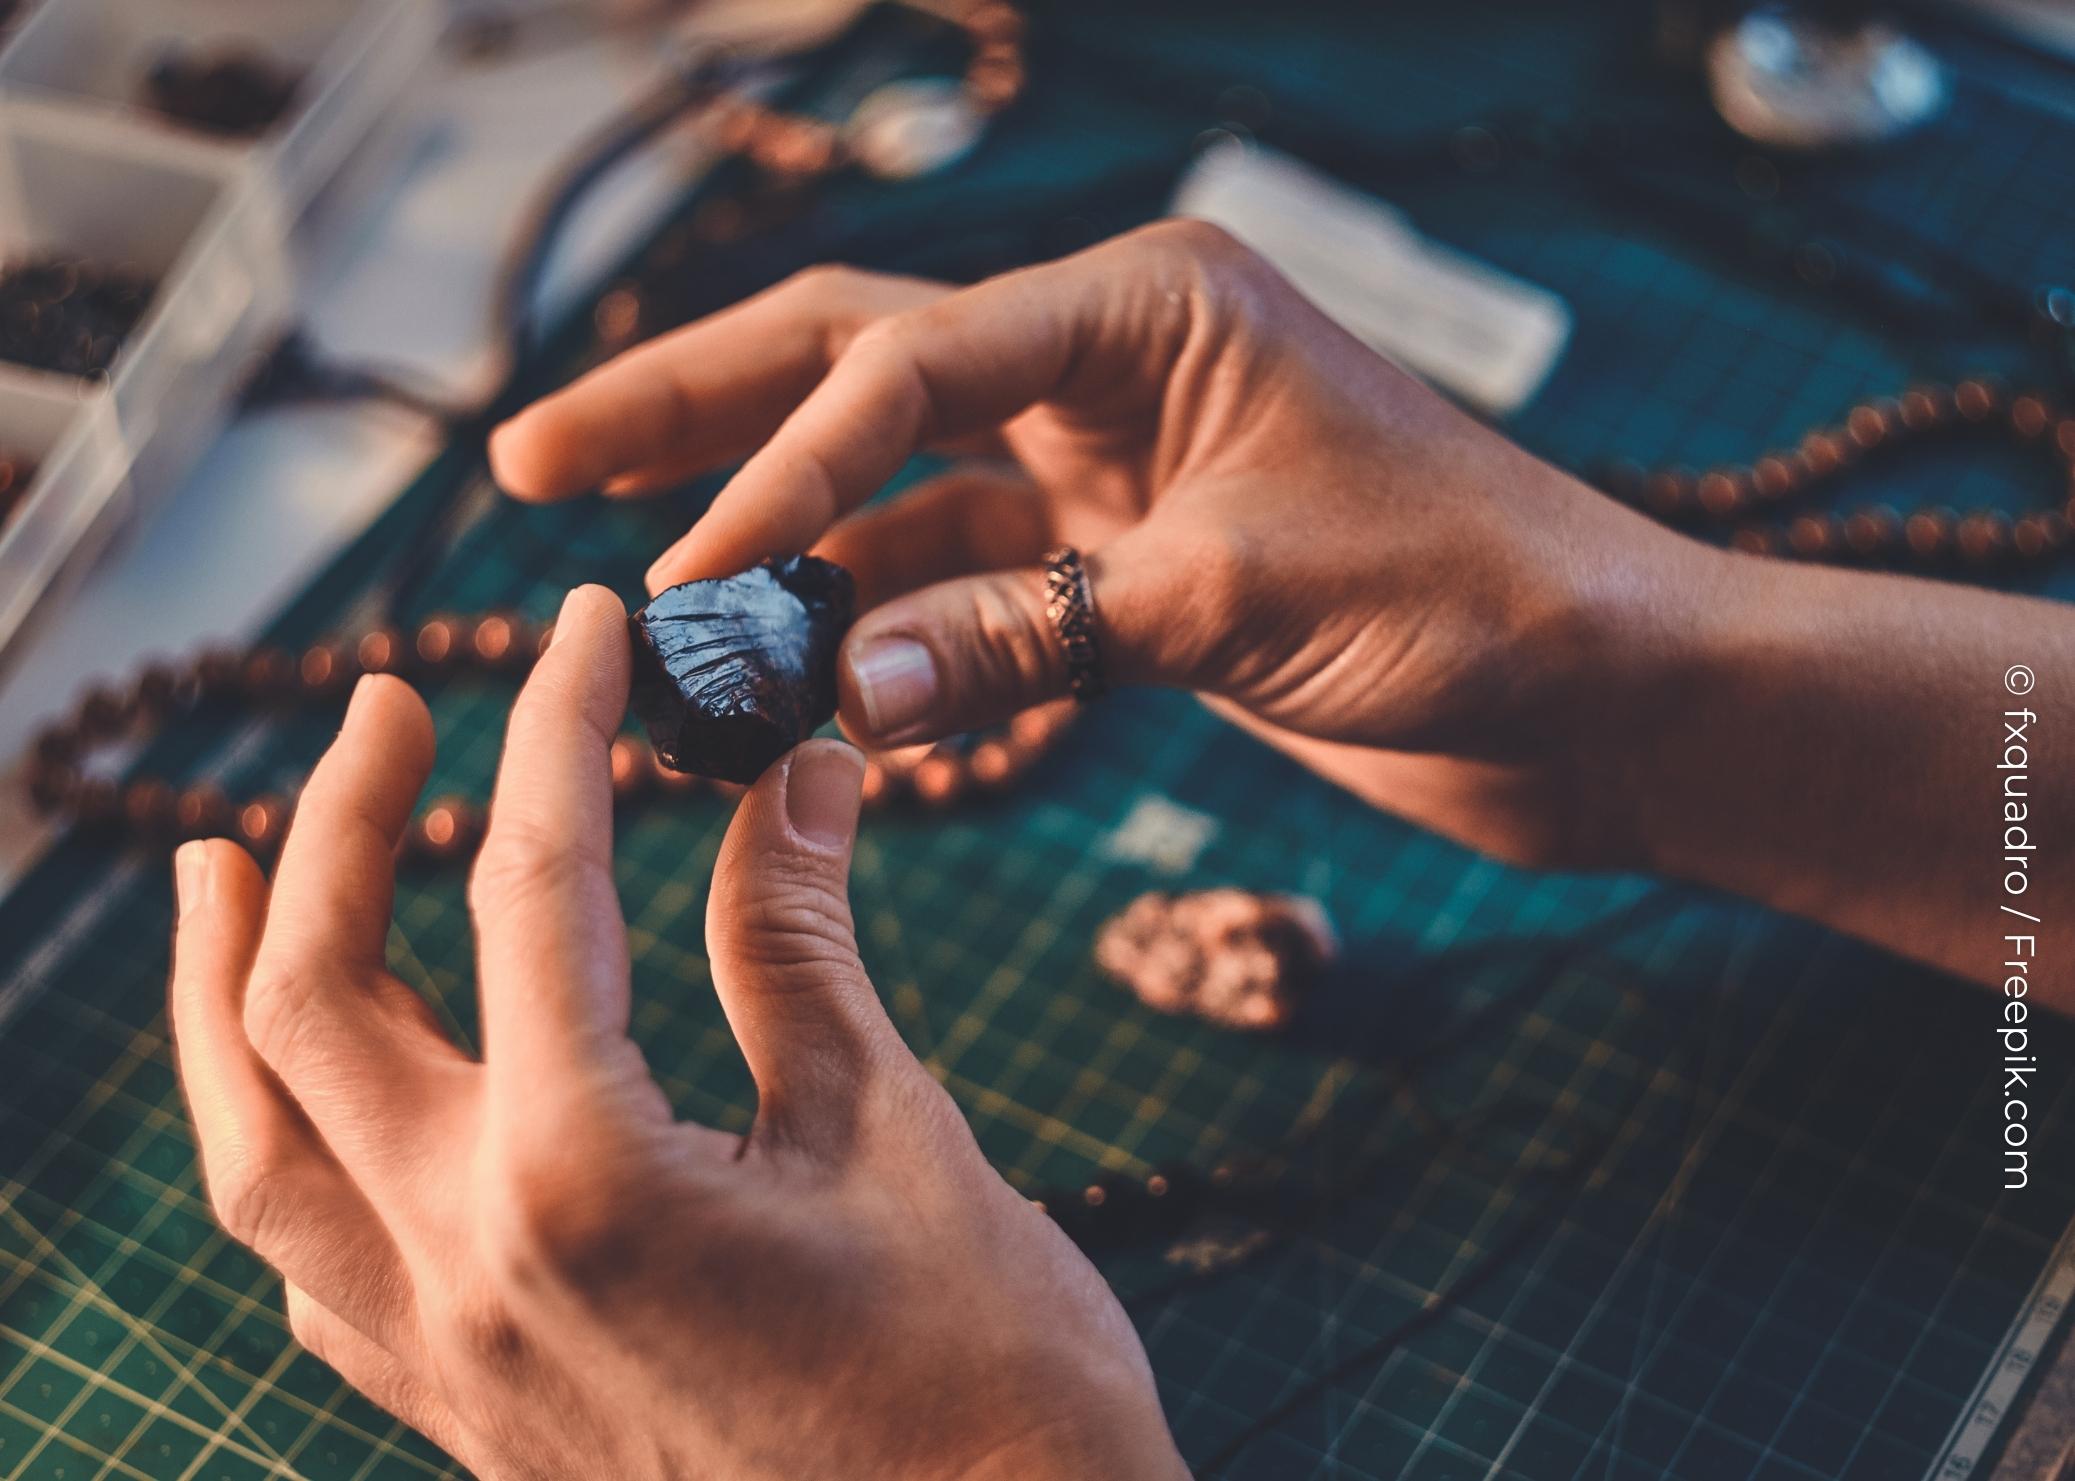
<point x="1571" y="1176"/>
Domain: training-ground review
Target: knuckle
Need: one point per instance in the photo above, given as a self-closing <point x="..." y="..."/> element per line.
<point x="519" y="865"/>
<point x="1202" y="242"/>
<point x="792" y="924"/>
<point x="253" y="1200"/>
<point x="552" y="1223"/>
<point x="826" y="284"/>
<point x="277" y="1012"/>
<point x="480" y="1326"/>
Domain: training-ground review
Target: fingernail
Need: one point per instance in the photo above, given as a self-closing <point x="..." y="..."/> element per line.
<point x="896" y="682"/>
<point x="190" y="876"/>
<point x="361" y="687"/>
<point x="824" y="783"/>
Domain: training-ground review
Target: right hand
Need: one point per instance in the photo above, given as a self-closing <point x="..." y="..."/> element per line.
<point x="1273" y="516"/>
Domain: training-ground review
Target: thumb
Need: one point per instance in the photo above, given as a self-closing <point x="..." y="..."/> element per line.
<point x="966" y="654"/>
<point x="784" y="957"/>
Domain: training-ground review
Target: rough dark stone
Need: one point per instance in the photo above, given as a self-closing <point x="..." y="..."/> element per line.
<point x="729" y="675"/>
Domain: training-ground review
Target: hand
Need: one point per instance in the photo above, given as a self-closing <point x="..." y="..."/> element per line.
<point x="526" y="1256"/>
<point x="1274" y="517"/>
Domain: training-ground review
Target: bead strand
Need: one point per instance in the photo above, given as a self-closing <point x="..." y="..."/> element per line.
<point x="153" y="811"/>
<point x="1877" y="534"/>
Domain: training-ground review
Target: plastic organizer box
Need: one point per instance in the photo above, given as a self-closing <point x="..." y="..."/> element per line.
<point x="90" y="171"/>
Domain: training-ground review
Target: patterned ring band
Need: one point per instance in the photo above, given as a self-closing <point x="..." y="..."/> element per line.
<point x="1070" y="607"/>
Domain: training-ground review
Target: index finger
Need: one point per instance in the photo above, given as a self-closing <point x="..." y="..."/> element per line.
<point x="696" y="398"/>
<point x="1071" y="330"/>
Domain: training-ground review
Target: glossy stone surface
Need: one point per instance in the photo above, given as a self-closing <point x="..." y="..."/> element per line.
<point x="729" y="675"/>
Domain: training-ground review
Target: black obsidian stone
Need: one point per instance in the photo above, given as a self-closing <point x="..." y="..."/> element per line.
<point x="729" y="675"/>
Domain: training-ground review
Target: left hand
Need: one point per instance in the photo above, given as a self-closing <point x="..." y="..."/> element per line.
<point x="526" y="1256"/>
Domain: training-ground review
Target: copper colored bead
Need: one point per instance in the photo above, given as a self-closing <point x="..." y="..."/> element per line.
<point x="1868" y="426"/>
<point x="2036" y="535"/>
<point x="502" y="641"/>
<point x="1772" y="478"/>
<point x="994" y="22"/>
<point x="270" y="673"/>
<point x="1926" y="407"/>
<point x="618" y="316"/>
<point x="263" y="823"/>
<point x="1667" y="492"/>
<point x="1823" y="453"/>
<point x="1870" y="532"/>
<point x="381" y="651"/>
<point x="1975" y="399"/>
<point x="1929" y="532"/>
<point x="441" y="641"/>
<point x="940" y="779"/>
<point x="201" y="811"/>
<point x="878" y="785"/>
<point x="448" y="829"/>
<point x="1813" y="536"/>
<point x="2028" y="416"/>
<point x="324" y="669"/>
<point x="797" y="148"/>
<point x="994" y="82"/>
<point x="632" y="766"/>
<point x="1035" y="729"/>
<point x="2064" y="438"/>
<point x="1755" y="542"/>
<point x="1984" y="535"/>
<point x="148" y="805"/>
<point x="994" y="763"/>
<point x="1721" y="493"/>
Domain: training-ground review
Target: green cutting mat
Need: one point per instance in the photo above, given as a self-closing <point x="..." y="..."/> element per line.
<point x="1680" y="1187"/>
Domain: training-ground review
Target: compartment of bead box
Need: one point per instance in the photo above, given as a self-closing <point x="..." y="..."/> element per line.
<point x="81" y="205"/>
<point x="335" y="68"/>
<point x="65" y="487"/>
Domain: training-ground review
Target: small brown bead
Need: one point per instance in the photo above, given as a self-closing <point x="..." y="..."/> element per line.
<point x="148" y="805"/>
<point x="1871" y="532"/>
<point x="501" y="640"/>
<point x="994" y="763"/>
<point x="2029" y="417"/>
<point x="1984" y="535"/>
<point x="201" y="811"/>
<point x="381" y="651"/>
<point x="1814" y="536"/>
<point x="1975" y="399"/>
<point x="104" y="713"/>
<point x="878" y="785"/>
<point x="1756" y="542"/>
<point x="442" y="640"/>
<point x="2034" y="535"/>
<point x="1667" y="492"/>
<point x="633" y="765"/>
<point x="993" y="82"/>
<point x="994" y="22"/>
<point x="449" y="829"/>
<point x="324" y="669"/>
<point x="2064" y="438"/>
<point x="263" y="823"/>
<point x="1823" y="453"/>
<point x="940" y="779"/>
<point x="1868" y="426"/>
<point x="797" y="148"/>
<point x="1926" y="407"/>
<point x="1722" y="493"/>
<point x="270" y="673"/>
<point x="617" y="318"/>
<point x="1772" y="478"/>
<point x="1035" y="729"/>
<point x="1929" y="532"/>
